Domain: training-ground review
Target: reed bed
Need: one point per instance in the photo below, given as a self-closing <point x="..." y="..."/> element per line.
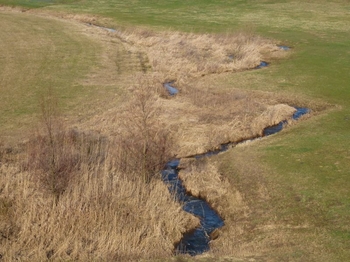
<point x="99" y="213"/>
<point x="181" y="55"/>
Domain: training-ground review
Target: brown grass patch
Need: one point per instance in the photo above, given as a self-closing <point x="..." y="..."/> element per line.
<point x="179" y="55"/>
<point x="105" y="210"/>
<point x="200" y="117"/>
<point x="100" y="216"/>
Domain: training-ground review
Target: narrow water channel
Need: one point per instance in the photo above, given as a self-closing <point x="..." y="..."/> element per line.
<point x="197" y="241"/>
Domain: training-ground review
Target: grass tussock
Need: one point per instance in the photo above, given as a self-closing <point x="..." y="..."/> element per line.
<point x="182" y="55"/>
<point x="102" y="215"/>
<point x="203" y="179"/>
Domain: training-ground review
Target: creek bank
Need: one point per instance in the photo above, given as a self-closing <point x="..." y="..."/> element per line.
<point x="300" y="111"/>
<point x="197" y="240"/>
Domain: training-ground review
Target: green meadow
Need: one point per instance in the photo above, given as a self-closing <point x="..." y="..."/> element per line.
<point x="307" y="166"/>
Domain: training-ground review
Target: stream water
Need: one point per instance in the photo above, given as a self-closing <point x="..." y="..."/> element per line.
<point x="197" y="241"/>
<point x="262" y="64"/>
<point x="284" y="47"/>
<point x="170" y="88"/>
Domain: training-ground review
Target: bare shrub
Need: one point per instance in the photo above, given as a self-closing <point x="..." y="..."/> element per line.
<point x="52" y="159"/>
<point x="55" y="154"/>
<point x="2" y="152"/>
<point x="55" y="159"/>
<point x="144" y="144"/>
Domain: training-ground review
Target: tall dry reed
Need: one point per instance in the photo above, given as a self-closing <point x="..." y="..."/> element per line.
<point x="82" y="197"/>
<point x="102" y="215"/>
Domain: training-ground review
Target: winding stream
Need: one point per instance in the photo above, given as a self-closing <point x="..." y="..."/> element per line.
<point x="197" y="241"/>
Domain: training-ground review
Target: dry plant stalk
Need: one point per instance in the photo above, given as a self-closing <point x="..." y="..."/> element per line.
<point x="143" y="143"/>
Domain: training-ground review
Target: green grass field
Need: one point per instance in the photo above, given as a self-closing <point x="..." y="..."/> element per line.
<point x="308" y="164"/>
<point x="51" y="56"/>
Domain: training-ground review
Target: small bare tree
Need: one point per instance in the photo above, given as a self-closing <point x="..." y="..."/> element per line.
<point x="144" y="145"/>
<point x="55" y="154"/>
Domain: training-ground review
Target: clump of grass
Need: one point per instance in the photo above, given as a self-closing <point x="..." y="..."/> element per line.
<point x="176" y="54"/>
<point x="203" y="179"/>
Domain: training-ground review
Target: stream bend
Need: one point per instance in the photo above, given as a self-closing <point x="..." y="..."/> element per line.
<point x="197" y="241"/>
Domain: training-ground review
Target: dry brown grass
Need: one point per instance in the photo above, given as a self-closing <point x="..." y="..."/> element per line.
<point x="181" y="55"/>
<point x="102" y="215"/>
<point x="142" y="138"/>
<point x="105" y="210"/>
<point x="203" y="179"/>
<point x="199" y="118"/>
<point x="79" y="196"/>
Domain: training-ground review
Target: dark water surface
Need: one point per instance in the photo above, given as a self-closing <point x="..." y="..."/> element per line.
<point x="276" y="128"/>
<point x="262" y="64"/>
<point x="197" y="241"/>
<point x="284" y="47"/>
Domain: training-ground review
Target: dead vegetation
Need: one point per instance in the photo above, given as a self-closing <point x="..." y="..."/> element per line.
<point x="182" y="55"/>
<point x="199" y="118"/>
<point x="142" y="138"/>
<point x="102" y="215"/>
<point x="81" y="197"/>
<point x="99" y="188"/>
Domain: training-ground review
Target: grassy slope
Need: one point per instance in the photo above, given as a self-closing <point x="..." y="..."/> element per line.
<point x="311" y="160"/>
<point x="38" y="54"/>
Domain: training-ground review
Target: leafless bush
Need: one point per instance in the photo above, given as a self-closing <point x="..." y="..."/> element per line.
<point x="55" y="154"/>
<point x="55" y="159"/>
<point x="143" y="146"/>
